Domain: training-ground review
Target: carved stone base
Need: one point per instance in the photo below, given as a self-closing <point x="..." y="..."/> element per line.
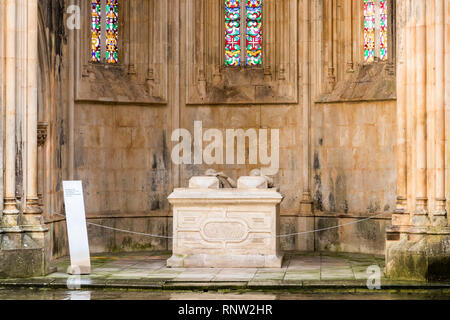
<point x="439" y="218"/>
<point x="22" y="263"/>
<point x="23" y="256"/>
<point x="10" y="206"/>
<point x="400" y="220"/>
<point x="218" y="228"/>
<point x="425" y="257"/>
<point x="225" y="261"/>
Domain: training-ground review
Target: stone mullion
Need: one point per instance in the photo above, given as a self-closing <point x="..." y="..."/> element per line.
<point x="392" y="31"/>
<point x="377" y="29"/>
<point x="150" y="54"/>
<point x="217" y="37"/>
<point x="284" y="45"/>
<point x="132" y="39"/>
<point x="243" y="32"/>
<point x="191" y="45"/>
<point x="348" y="26"/>
<point x="103" y="31"/>
<point x="272" y="25"/>
<point x="330" y="52"/>
<point x="211" y="40"/>
<point x="203" y="46"/>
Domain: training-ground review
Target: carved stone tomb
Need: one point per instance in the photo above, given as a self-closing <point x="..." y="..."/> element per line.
<point x="226" y="227"/>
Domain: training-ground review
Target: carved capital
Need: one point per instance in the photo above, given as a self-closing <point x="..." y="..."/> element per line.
<point x="42" y="133"/>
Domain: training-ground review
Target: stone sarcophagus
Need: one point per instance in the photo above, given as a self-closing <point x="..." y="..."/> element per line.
<point x="226" y="227"/>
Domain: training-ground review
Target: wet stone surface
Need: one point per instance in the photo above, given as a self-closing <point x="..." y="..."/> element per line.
<point x="310" y="273"/>
<point x="124" y="294"/>
<point x="312" y="266"/>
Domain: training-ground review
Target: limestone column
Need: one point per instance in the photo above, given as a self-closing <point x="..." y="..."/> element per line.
<point x="400" y="217"/>
<point x="306" y="202"/>
<point x="329" y="7"/>
<point x="32" y="217"/>
<point x="410" y="47"/>
<point x="10" y="212"/>
<point x="439" y="213"/>
<point x="349" y="35"/>
<point x="420" y="214"/>
<point x="2" y="101"/>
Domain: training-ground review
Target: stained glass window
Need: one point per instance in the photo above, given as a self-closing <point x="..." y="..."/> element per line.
<point x="105" y="31"/>
<point x="112" y="31"/>
<point x="254" y="33"/>
<point x="96" y="31"/>
<point x="375" y="30"/>
<point x="383" y="29"/>
<point x="232" y="32"/>
<point x="243" y="20"/>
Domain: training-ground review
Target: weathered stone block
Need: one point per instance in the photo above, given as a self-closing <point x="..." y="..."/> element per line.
<point x="225" y="228"/>
<point x="252" y="183"/>
<point x="425" y="259"/>
<point x="204" y="182"/>
<point x="22" y="263"/>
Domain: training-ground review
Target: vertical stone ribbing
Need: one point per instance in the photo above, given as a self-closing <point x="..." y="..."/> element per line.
<point x="421" y="113"/>
<point x="430" y="81"/>
<point x="439" y="212"/>
<point x="306" y="203"/>
<point x="401" y="207"/>
<point x="10" y="211"/>
<point x="2" y="98"/>
<point x="410" y="46"/>
<point x="420" y="215"/>
<point x="32" y="217"/>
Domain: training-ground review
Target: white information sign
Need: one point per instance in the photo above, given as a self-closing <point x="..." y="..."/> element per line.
<point x="80" y="262"/>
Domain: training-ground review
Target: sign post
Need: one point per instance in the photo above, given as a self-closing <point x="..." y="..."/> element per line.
<point x="80" y="262"/>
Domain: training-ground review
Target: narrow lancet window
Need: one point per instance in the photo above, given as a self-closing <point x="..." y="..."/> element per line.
<point x="104" y="31"/>
<point x="254" y="33"/>
<point x="375" y="30"/>
<point x="243" y="22"/>
<point x="383" y="30"/>
<point x="96" y="31"/>
<point x="232" y="32"/>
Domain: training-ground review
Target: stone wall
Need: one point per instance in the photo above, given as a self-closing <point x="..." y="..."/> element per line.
<point x="121" y="120"/>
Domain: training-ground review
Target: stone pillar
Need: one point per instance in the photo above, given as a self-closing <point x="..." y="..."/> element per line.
<point x="420" y="251"/>
<point x="10" y="219"/>
<point x="306" y="202"/>
<point x="23" y="243"/>
<point x="400" y="218"/>
<point x="410" y="46"/>
<point x="32" y="217"/>
<point x="420" y="214"/>
<point x="2" y="101"/>
<point x="439" y="217"/>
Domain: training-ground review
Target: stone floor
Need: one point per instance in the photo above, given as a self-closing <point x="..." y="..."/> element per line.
<point x="149" y="271"/>
<point x="296" y="267"/>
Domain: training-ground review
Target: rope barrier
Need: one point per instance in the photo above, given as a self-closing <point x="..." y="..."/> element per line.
<point x="219" y="239"/>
